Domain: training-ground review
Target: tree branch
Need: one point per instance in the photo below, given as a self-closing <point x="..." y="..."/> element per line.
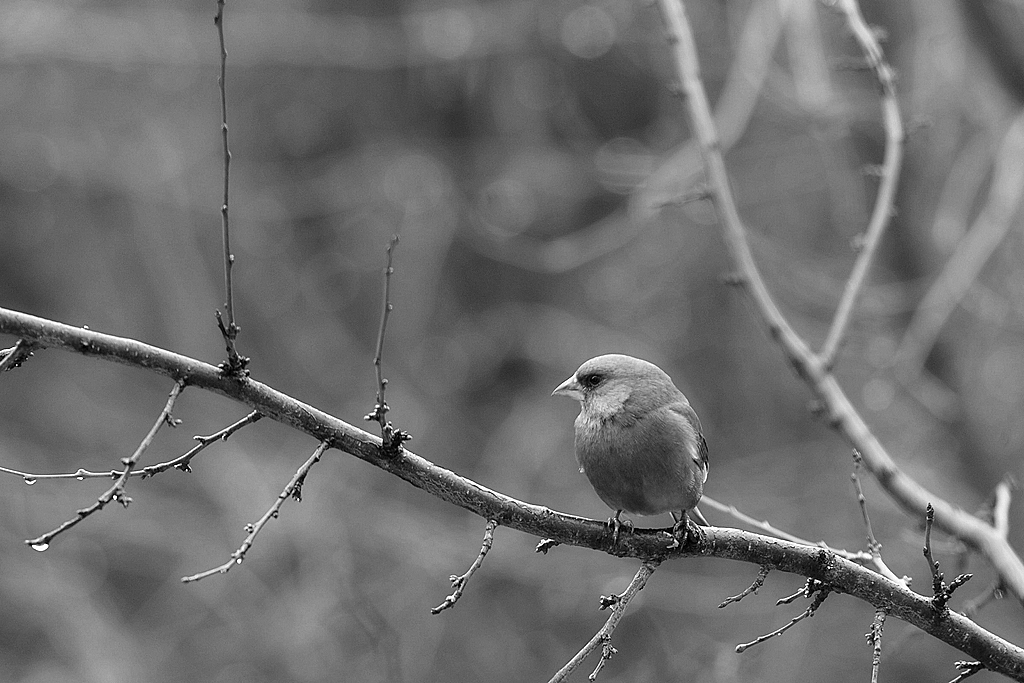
<point x="459" y="581"/>
<point x="603" y="637"/>
<point x="292" y="490"/>
<point x="889" y="174"/>
<point x="115" y="492"/>
<point x="235" y="363"/>
<point x="841" y="414"/>
<point x="820" y="564"/>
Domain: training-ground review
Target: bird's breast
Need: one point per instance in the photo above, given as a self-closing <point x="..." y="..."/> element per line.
<point x="640" y="464"/>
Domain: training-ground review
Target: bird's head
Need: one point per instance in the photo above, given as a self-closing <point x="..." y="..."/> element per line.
<point x="607" y="385"/>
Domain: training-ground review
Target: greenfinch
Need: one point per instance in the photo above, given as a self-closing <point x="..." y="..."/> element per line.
<point x="638" y="440"/>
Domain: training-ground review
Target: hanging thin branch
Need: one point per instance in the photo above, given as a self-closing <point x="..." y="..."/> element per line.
<point x="292" y="490"/>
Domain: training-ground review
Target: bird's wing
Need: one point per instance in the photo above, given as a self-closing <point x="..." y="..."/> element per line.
<point x="683" y="409"/>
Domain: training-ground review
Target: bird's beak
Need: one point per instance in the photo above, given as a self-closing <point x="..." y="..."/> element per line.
<point x="570" y="388"/>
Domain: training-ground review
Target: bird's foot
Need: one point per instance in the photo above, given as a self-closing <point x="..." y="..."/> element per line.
<point x="682" y="530"/>
<point x="616" y="524"/>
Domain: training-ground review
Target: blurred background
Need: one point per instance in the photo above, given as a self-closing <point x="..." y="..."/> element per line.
<point x="533" y="160"/>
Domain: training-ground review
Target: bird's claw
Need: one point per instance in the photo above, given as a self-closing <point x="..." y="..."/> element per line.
<point x="615" y="523"/>
<point x="682" y="530"/>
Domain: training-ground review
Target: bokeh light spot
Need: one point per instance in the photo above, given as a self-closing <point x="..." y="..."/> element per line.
<point x="416" y="177"/>
<point x="878" y="394"/>
<point x="445" y="33"/>
<point x="588" y="32"/>
<point x="507" y="206"/>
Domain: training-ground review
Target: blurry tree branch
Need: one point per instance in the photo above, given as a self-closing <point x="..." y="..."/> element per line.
<point x="814" y="368"/>
<point x="889" y="173"/>
<point x="841" y="575"/>
<point x="965" y="264"/>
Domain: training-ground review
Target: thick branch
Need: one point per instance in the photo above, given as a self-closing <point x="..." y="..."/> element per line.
<point x="817" y="563"/>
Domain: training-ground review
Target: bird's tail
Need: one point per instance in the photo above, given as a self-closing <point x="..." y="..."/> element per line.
<point x="698" y="517"/>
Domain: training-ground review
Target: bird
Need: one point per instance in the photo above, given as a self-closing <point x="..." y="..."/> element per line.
<point x="638" y="441"/>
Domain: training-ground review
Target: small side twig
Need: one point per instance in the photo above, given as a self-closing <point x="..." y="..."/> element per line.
<point x="966" y="669"/>
<point x="603" y="638"/>
<point x="459" y="581"/>
<point x="545" y="545"/>
<point x="292" y="490"/>
<point x="392" y="438"/>
<point x="874" y="547"/>
<point x="16" y="355"/>
<point x="235" y="363"/>
<point x="874" y="638"/>
<point x="115" y="492"/>
<point x="941" y="591"/>
<point x="767" y="527"/>
<point x="762" y="574"/>
<point x="819" y="590"/>
<point x="802" y="593"/>
<point x="181" y="462"/>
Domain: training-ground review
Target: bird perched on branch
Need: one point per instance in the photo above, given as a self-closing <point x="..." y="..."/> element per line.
<point x="638" y="440"/>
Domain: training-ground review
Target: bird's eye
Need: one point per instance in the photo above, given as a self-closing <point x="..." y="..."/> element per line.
<point x="590" y="381"/>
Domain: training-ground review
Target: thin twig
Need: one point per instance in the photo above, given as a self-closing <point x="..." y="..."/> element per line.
<point x="544" y="545"/>
<point x="386" y="309"/>
<point x="459" y="582"/>
<point x="802" y="593"/>
<point x="115" y="492"/>
<point x="235" y="363"/>
<point x="16" y="355"/>
<point x="874" y="638"/>
<point x="820" y="592"/>
<point x="889" y="173"/>
<point x="966" y="669"/>
<point x="762" y="574"/>
<point x="181" y="462"/>
<point x="933" y="566"/>
<point x="603" y="637"/>
<point x="874" y="547"/>
<point x="392" y="438"/>
<point x="767" y="527"/>
<point x="941" y="591"/>
<point x="292" y="490"/>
